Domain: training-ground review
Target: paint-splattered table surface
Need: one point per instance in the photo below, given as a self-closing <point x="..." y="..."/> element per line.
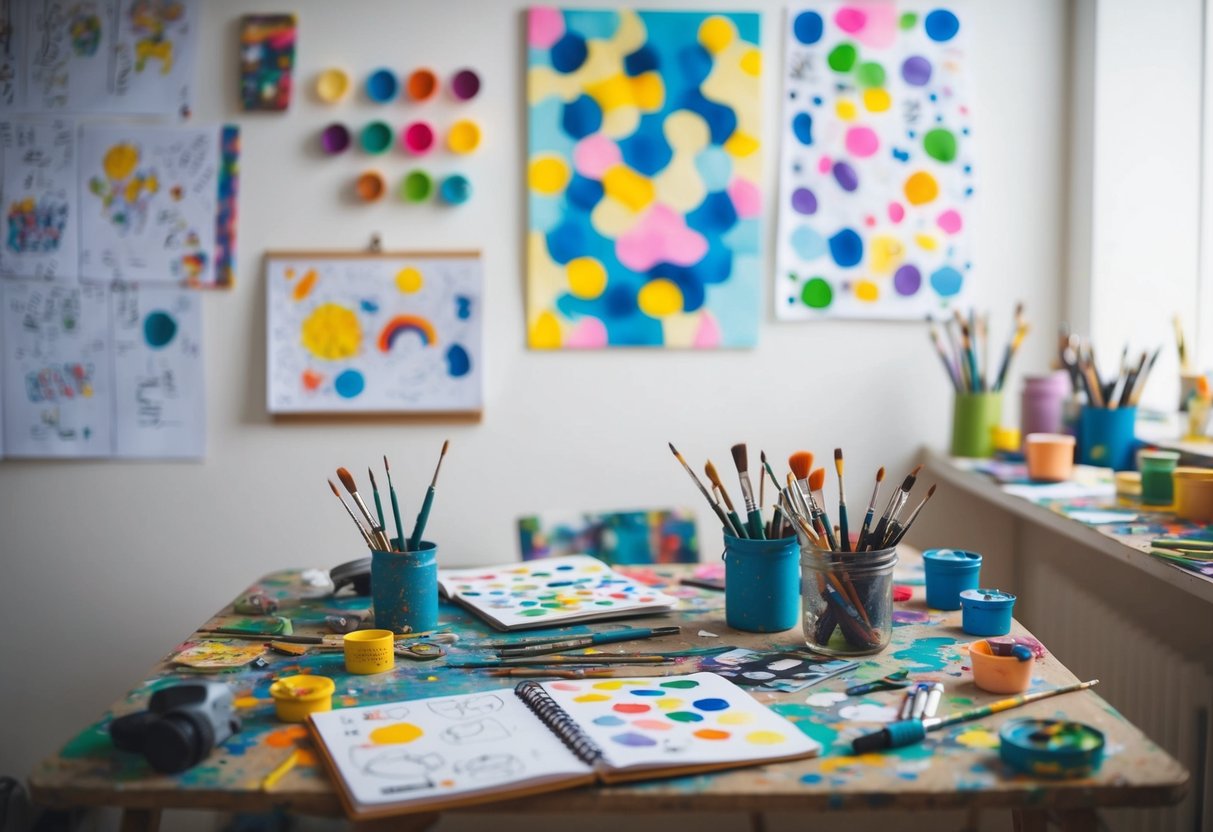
<point x="956" y="767"/>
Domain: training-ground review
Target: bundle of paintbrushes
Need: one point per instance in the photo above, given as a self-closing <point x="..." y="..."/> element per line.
<point x="1122" y="390"/>
<point x="374" y="530"/>
<point x="966" y="356"/>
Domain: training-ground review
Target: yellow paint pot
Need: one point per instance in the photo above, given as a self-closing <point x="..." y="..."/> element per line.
<point x="999" y="674"/>
<point x="369" y="651"/>
<point x="297" y="696"/>
<point x="464" y="136"/>
<point x="332" y="84"/>
<point x="1194" y="494"/>
<point x="1128" y="484"/>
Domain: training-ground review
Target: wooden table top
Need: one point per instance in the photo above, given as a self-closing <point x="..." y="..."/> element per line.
<point x="954" y="767"/>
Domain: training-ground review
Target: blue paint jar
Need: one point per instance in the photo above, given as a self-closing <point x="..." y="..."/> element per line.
<point x="1051" y="747"/>
<point x="986" y="612"/>
<point x="1106" y="437"/>
<point x="949" y="572"/>
<point x="404" y="589"/>
<point x="761" y="584"/>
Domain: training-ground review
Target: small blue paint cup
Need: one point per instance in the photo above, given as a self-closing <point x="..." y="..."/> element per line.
<point x="1106" y="437"/>
<point x="986" y="612"/>
<point x="404" y="589"/>
<point x="761" y="584"/>
<point x="949" y="572"/>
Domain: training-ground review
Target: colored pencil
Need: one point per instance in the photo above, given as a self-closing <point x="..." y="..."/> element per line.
<point x="395" y="505"/>
<point x="423" y="516"/>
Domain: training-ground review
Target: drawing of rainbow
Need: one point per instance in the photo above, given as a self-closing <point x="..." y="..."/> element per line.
<point x="407" y="323"/>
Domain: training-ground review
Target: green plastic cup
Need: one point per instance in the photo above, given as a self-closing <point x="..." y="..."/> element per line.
<point x="974" y="417"/>
<point x="1157" y="487"/>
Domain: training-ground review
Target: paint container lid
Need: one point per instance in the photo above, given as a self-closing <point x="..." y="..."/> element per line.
<point x="1049" y="439"/>
<point x="335" y="138"/>
<point x="463" y="137"/>
<point x="1051" y="747"/>
<point x="986" y="599"/>
<point x="1157" y="460"/>
<point x="417" y="138"/>
<point x="332" y="84"/>
<point x="465" y="84"/>
<point x="382" y="86"/>
<point x="455" y="189"/>
<point x="417" y="186"/>
<point x="422" y="84"/>
<point x="950" y="560"/>
<point x="369" y="186"/>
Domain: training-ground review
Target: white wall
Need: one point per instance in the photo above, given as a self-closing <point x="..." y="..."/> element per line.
<point x="111" y="564"/>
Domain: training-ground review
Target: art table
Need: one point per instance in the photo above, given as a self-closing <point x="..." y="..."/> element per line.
<point x="954" y="768"/>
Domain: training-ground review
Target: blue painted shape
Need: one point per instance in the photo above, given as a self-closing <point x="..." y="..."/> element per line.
<point x="807" y="27"/>
<point x="901" y="155"/>
<point x="458" y="362"/>
<point x="808" y="244"/>
<point x="592" y="24"/>
<point x="695" y="62"/>
<point x="463" y="307"/>
<point x="369" y="306"/>
<point x="721" y="120"/>
<point x="566" y="241"/>
<point x="846" y="247"/>
<point x="620" y="302"/>
<point x="349" y="384"/>
<point x="941" y="25"/>
<point x="745" y="237"/>
<point x="569" y="53"/>
<point x="802" y="127"/>
<point x="159" y="328"/>
<point x="946" y="281"/>
<point x="646" y="150"/>
<point x="581" y="117"/>
<point x="641" y="61"/>
<point x="583" y="193"/>
<point x="546" y="212"/>
<point x="714" y="216"/>
<point x="715" y="167"/>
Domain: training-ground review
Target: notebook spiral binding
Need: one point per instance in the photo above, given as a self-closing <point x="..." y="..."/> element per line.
<point x="556" y="718"/>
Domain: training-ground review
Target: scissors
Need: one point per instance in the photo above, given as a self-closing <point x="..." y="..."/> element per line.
<point x="422" y="651"/>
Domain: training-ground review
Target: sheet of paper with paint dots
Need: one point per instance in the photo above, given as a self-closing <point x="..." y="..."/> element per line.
<point x="699" y="719"/>
<point x="543" y="592"/>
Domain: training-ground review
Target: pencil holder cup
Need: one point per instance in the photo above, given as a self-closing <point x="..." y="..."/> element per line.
<point x="761" y="584"/>
<point x="974" y="417"/>
<point x="999" y="674"/>
<point x="1050" y="456"/>
<point x="848" y="600"/>
<point x="949" y="572"/>
<point x="297" y="696"/>
<point x="404" y="589"/>
<point x="1194" y="494"/>
<point x="1157" y="486"/>
<point x="369" y="651"/>
<point x="986" y="612"/>
<point x="1042" y="405"/>
<point x="1105" y="437"/>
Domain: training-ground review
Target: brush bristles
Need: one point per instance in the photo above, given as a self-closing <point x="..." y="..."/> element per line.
<point x="801" y="463"/>
<point x="713" y="477"/>
<point x="741" y="457"/>
<point x="335" y="491"/>
<point x="817" y="479"/>
<point x="908" y="483"/>
<point x="916" y="471"/>
<point x="371" y="474"/>
<point x="930" y="492"/>
<point x="445" y="444"/>
<point x="347" y="480"/>
<point x="880" y="474"/>
<point x="838" y="460"/>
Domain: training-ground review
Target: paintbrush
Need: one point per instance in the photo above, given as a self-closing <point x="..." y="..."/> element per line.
<point x="867" y="518"/>
<point x="777" y="518"/>
<point x="532" y="672"/>
<point x="1141" y="380"/>
<point x="801" y="464"/>
<point x="762" y="483"/>
<point x="844" y="534"/>
<point x="1021" y="330"/>
<point x="943" y="355"/>
<point x="423" y="516"/>
<point x="1182" y="345"/>
<point x="377" y="533"/>
<point x="897" y="531"/>
<point x="741" y="461"/>
<point x="361" y="530"/>
<point x="799" y="513"/>
<point x="395" y="505"/>
<point x="542" y="661"/>
<point x="714" y="503"/>
<point x="817" y="481"/>
<point x="896" y="503"/>
<point x="983" y="339"/>
<point x="378" y="504"/>
<point x="734" y="518"/>
<point x="966" y="340"/>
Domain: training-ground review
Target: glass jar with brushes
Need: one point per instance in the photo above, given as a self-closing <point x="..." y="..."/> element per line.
<point x="847" y="600"/>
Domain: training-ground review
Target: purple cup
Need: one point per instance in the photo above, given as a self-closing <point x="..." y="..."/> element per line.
<point x="465" y="84"/>
<point x="334" y="139"/>
<point x="1043" y="403"/>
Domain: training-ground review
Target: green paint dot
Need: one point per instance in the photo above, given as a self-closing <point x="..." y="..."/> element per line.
<point x="534" y="611"/>
<point x="605" y="603"/>
<point x="681" y="684"/>
<point x="870" y="74"/>
<point x="817" y="294"/>
<point x="907" y="21"/>
<point x="416" y="187"/>
<point x="940" y="144"/>
<point x="552" y="605"/>
<point x="842" y="57"/>
<point x="684" y="716"/>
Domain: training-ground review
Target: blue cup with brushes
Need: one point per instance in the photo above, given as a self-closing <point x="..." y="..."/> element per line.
<point x="761" y="584"/>
<point x="404" y="588"/>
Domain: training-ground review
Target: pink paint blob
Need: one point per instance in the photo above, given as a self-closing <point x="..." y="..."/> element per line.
<point x="869" y="221"/>
<point x="850" y="19"/>
<point x="417" y="138"/>
<point x="707" y="336"/>
<point x="896" y="212"/>
<point x="862" y="142"/>
<point x="747" y="198"/>
<point x="565" y="686"/>
<point x="880" y="28"/>
<point x="950" y="221"/>
<point x="595" y="155"/>
<point x="544" y="27"/>
<point x="661" y="236"/>
<point x="587" y="334"/>
<point x="824" y="164"/>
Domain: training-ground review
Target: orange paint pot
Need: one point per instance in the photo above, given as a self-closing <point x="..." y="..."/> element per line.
<point x="422" y="84"/>
<point x="369" y="186"/>
<point x="999" y="674"/>
<point x="1194" y="494"/>
<point x="1050" y="456"/>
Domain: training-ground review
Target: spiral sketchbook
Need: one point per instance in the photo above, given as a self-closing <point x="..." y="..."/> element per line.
<point x="544" y="593"/>
<point x="448" y="751"/>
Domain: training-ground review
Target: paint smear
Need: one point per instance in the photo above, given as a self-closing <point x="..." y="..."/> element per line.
<point x="925" y="654"/>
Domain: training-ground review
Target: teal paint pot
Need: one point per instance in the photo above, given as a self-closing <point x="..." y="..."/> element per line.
<point x="1157" y="468"/>
<point x="949" y="572"/>
<point x="1106" y="437"/>
<point x="986" y="612"/>
<point x="1051" y="747"/>
<point x="761" y="584"/>
<point x="404" y="589"/>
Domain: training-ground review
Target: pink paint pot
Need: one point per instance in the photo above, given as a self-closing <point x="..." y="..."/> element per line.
<point x="465" y="84"/>
<point x="417" y="138"/>
<point x="335" y="139"/>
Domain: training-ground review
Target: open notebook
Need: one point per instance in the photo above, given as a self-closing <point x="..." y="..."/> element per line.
<point x="447" y="751"/>
<point x="544" y="593"/>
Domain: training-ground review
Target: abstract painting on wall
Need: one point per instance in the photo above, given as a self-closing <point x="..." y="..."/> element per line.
<point x="876" y="174"/>
<point x="391" y="333"/>
<point x="267" y="61"/>
<point x="614" y="537"/>
<point x="644" y="171"/>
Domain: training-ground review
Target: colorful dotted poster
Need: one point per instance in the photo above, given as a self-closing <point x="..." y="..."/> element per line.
<point x="876" y="173"/>
<point x="644" y="174"/>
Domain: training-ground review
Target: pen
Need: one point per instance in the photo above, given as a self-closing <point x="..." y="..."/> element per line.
<point x="592" y="640"/>
<point x="921" y="692"/>
<point x="907" y="704"/>
<point x="933" y="699"/>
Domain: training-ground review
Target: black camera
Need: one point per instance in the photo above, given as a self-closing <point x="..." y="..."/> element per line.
<point x="180" y="726"/>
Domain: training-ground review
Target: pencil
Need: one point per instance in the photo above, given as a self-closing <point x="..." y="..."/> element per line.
<point x="281" y="770"/>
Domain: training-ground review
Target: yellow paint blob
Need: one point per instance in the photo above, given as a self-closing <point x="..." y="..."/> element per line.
<point x="668" y="703"/>
<point x="740" y="144"/>
<point x="305" y="285"/>
<point x="832" y="764"/>
<point x="921" y="188"/>
<point x="885" y="254"/>
<point x="765" y="737"/>
<point x="736" y="718"/>
<point x="845" y="109"/>
<point x="331" y="332"/>
<point x="877" y="100"/>
<point x="548" y="175"/>
<point x="251" y="702"/>
<point x="612" y="93"/>
<point x="978" y="738"/>
<point x="592" y="697"/>
<point x="120" y="160"/>
<point x="716" y="33"/>
<point x="628" y="187"/>
<point x="409" y="280"/>
<point x="649" y="91"/>
<point x="751" y="62"/>
<point x="866" y="291"/>
<point x="926" y="242"/>
<point x="397" y="734"/>
<point x="659" y="298"/>
<point x="587" y="277"/>
<point x="608" y="685"/>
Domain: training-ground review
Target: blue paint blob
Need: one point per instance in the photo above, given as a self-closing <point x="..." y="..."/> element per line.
<point x="721" y="120"/>
<point x="592" y="23"/>
<point x="159" y="328"/>
<point x="583" y="193"/>
<point x="845" y="176"/>
<point x="802" y="127"/>
<point x="807" y="243"/>
<point x="620" y="301"/>
<point x="901" y="155"/>
<point x="715" y="167"/>
<point x="946" y="281"/>
<point x="695" y="63"/>
<point x="569" y="53"/>
<point x="382" y="86"/>
<point x="646" y="151"/>
<point x="634" y="740"/>
<point x="642" y="60"/>
<point x="458" y="362"/>
<point x="648" y="692"/>
<point x="711" y="704"/>
<point x="567" y="241"/>
<point x="581" y="117"/>
<point x="349" y="384"/>
<point x="369" y="306"/>
<point x="846" y="247"/>
<point x="608" y="720"/>
<point x="463" y="307"/>
<point x="810" y="779"/>
<point x="941" y="25"/>
<point x="714" y="215"/>
<point x="807" y="27"/>
<point x="692" y="288"/>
